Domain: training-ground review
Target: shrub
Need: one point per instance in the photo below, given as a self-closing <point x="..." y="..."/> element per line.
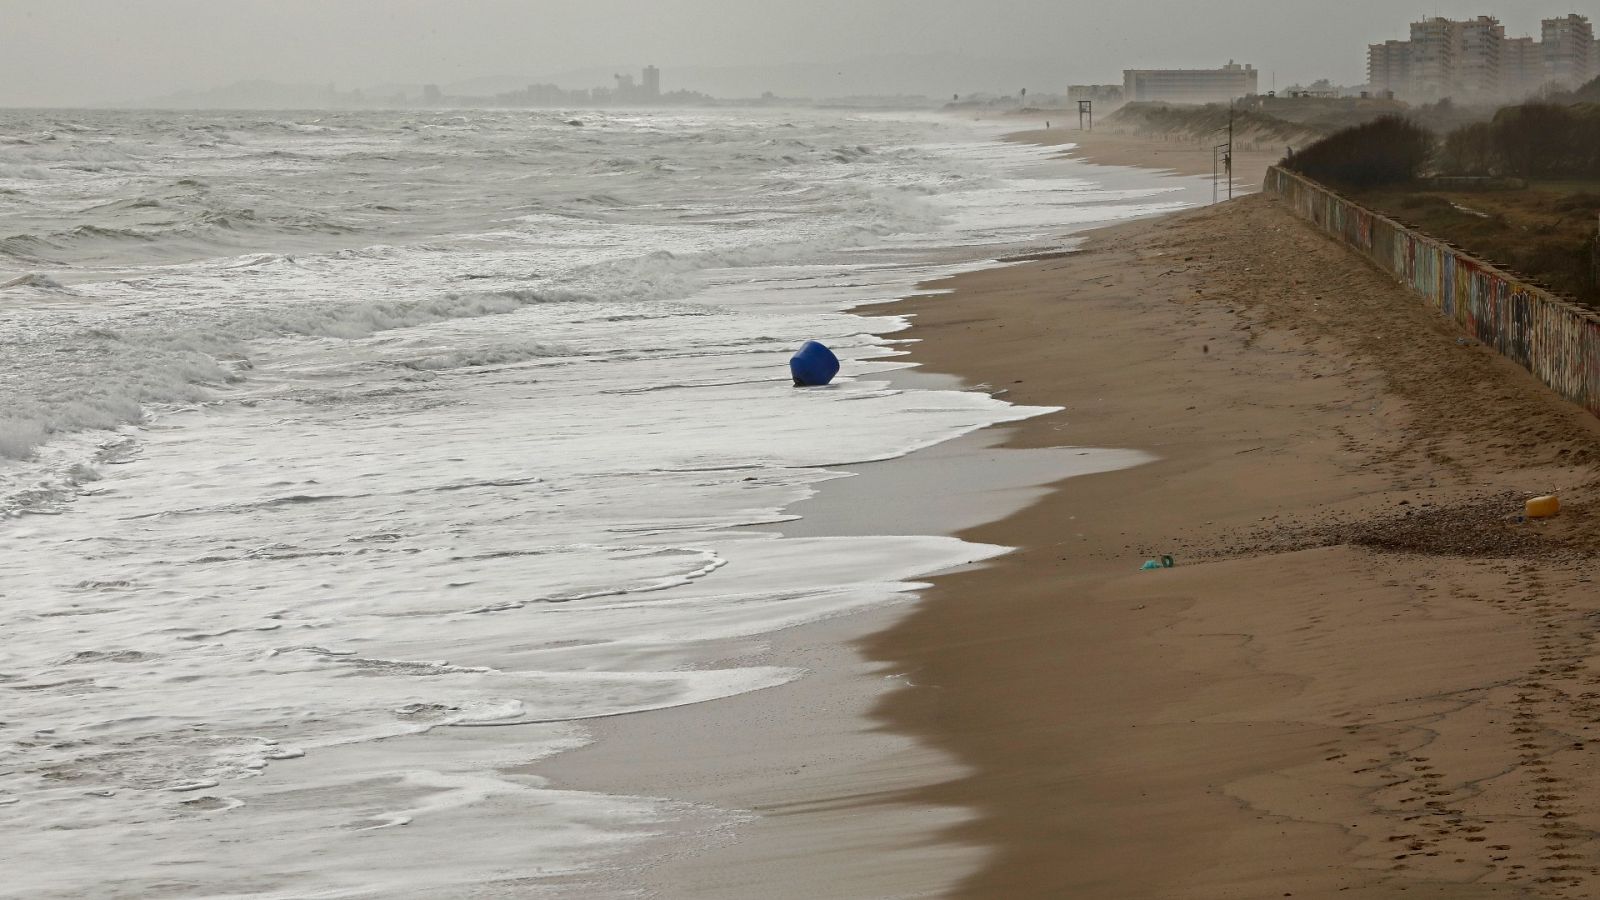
<point x="1472" y="150"/>
<point x="1389" y="150"/>
<point x="1533" y="139"/>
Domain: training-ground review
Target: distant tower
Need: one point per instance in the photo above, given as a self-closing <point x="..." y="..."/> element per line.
<point x="627" y="90"/>
<point x="1569" y="50"/>
<point x="431" y="95"/>
<point x="652" y="83"/>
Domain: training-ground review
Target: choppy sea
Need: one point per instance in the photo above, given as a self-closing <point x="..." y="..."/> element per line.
<point x="327" y="436"/>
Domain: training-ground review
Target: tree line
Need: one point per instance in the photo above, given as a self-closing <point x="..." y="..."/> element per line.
<point x="1530" y="140"/>
<point x="1533" y="140"/>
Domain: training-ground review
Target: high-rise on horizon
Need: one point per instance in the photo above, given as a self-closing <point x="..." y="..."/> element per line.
<point x="1474" y="60"/>
<point x="105" y="52"/>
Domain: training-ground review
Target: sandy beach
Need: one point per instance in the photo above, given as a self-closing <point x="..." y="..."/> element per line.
<point x="1359" y="679"/>
<point x="1180" y="157"/>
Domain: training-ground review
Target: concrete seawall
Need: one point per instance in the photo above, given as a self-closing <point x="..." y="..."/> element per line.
<point x="1555" y="339"/>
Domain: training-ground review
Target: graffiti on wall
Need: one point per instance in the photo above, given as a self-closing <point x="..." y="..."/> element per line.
<point x="1555" y="339"/>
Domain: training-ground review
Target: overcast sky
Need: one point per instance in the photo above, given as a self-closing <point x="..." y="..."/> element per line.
<point x="75" y="52"/>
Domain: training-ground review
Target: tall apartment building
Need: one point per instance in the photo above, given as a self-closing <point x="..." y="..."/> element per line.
<point x="1389" y="65"/>
<point x="1477" y="56"/>
<point x="1569" y="50"/>
<point x="1521" y="67"/>
<point x="1230" y="82"/>
<point x="1472" y="60"/>
<point x="1432" y="47"/>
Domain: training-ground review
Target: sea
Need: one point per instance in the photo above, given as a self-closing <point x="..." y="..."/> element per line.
<point x="352" y="462"/>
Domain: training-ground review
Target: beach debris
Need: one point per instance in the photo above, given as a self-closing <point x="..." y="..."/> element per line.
<point x="1477" y="527"/>
<point x="1543" y="507"/>
<point x="1150" y="565"/>
<point x="814" y="366"/>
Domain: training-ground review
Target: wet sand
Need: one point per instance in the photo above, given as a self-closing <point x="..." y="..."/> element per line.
<point x="816" y="780"/>
<point x="1357" y="681"/>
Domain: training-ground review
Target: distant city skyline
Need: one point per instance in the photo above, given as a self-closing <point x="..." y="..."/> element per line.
<point x="1478" y="60"/>
<point x="79" y="52"/>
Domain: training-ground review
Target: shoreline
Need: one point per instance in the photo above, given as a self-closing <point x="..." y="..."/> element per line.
<point x="817" y="780"/>
<point x="1358" y="678"/>
<point x="1174" y="157"/>
<point x="1070" y="726"/>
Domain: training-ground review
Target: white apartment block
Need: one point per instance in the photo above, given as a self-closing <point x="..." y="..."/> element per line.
<point x="1230" y="82"/>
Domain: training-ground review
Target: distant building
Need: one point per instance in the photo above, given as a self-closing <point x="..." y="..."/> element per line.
<point x="645" y="91"/>
<point x="1472" y="60"/>
<point x="1388" y="65"/>
<point x="1477" y="56"/>
<point x="1104" y="94"/>
<point x="431" y="95"/>
<point x="1522" y="68"/>
<point x="1569" y="50"/>
<point x="1230" y="82"/>
<point x="1433" y="58"/>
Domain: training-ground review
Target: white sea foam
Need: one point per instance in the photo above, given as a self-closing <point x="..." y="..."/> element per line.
<point x="349" y="465"/>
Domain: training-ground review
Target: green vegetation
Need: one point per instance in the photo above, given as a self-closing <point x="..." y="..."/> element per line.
<point x="1545" y="232"/>
<point x="1543" y="227"/>
<point x="1389" y="150"/>
<point x="1531" y="171"/>
<point x="1537" y="140"/>
<point x="1276" y="122"/>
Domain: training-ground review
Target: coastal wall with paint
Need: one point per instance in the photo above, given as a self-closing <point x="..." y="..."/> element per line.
<point x="1555" y="339"/>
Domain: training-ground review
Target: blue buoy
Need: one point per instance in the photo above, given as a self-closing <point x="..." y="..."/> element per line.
<point x="813" y="366"/>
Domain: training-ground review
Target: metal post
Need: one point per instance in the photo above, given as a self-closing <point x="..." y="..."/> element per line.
<point x="1231" y="150"/>
<point x="1221" y="163"/>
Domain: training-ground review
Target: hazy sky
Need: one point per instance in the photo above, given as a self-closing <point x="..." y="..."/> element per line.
<point x="68" y="52"/>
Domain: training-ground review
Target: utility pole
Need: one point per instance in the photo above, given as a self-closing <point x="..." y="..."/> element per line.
<point x="1229" y="158"/>
<point x="1219" y="165"/>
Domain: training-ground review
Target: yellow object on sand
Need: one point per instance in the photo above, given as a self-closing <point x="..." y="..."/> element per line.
<point x="1543" y="507"/>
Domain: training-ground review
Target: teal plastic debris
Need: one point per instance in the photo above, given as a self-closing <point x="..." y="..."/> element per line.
<point x="1150" y="565"/>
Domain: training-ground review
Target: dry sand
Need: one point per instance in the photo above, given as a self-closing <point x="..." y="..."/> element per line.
<point x="1180" y="157"/>
<point x="1357" y="679"/>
